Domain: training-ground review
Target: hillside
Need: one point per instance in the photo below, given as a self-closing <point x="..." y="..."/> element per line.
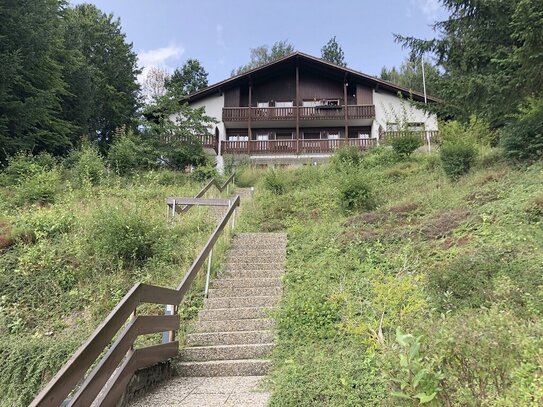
<point x="74" y="237"/>
<point x="431" y="295"/>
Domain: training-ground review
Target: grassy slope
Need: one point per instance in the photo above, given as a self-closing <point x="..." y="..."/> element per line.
<point x="459" y="263"/>
<point x="63" y="268"/>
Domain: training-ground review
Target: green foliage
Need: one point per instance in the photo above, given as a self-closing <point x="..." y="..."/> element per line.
<point x="478" y="353"/>
<point x="126" y="235"/>
<point x="416" y="380"/>
<point x="405" y="144"/>
<point x="264" y="54"/>
<point x="25" y="364"/>
<point x="32" y="79"/>
<point x="101" y="70"/>
<point x="42" y="223"/>
<point x="466" y="282"/>
<point x="495" y="76"/>
<point x="457" y="158"/>
<point x="89" y="166"/>
<point x="275" y="182"/>
<point x="476" y="131"/>
<point x="129" y="153"/>
<point x="333" y="53"/>
<point x="347" y="157"/>
<point x="409" y="75"/>
<point x="522" y="140"/>
<point x="204" y="173"/>
<point x="23" y="166"/>
<point x="356" y="194"/>
<point x="188" y="79"/>
<point x="247" y="176"/>
<point x="40" y="188"/>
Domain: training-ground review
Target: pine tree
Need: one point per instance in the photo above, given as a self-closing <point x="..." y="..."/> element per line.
<point x="333" y="53"/>
<point x="31" y="83"/>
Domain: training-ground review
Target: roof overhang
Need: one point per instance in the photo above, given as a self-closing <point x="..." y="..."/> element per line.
<point x="327" y="68"/>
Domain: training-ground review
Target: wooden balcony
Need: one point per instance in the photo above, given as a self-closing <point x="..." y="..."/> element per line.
<point x="426" y="135"/>
<point x="279" y="147"/>
<point x="241" y="114"/>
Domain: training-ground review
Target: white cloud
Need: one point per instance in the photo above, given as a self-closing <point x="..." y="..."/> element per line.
<point x="159" y="58"/>
<point x="429" y="8"/>
<point x="220" y="38"/>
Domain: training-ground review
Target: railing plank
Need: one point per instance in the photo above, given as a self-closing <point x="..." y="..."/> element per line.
<point x="197" y="201"/>
<point x="137" y="359"/>
<point x="99" y="376"/>
<point x="75" y="368"/>
<point x="159" y="295"/>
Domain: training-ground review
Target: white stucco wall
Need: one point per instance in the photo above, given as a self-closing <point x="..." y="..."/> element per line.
<point x="393" y="109"/>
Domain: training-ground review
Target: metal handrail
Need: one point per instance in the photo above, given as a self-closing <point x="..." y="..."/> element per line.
<point x="99" y="385"/>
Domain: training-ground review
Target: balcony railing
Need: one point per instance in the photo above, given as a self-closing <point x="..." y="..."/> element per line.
<point x="278" y="147"/>
<point x="241" y="114"/>
<point x="426" y="135"/>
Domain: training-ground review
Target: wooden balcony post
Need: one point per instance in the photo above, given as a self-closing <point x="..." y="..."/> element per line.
<point x="297" y="107"/>
<point x="345" y="83"/>
<point x="249" y="133"/>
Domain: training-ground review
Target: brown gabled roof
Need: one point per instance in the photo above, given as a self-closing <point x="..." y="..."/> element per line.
<point x="376" y="82"/>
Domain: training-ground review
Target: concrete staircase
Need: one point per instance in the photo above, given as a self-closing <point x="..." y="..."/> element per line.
<point x="234" y="334"/>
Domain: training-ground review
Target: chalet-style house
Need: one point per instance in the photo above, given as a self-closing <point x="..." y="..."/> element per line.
<point x="301" y="107"/>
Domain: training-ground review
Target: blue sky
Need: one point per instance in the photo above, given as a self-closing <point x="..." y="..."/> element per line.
<point x="220" y="33"/>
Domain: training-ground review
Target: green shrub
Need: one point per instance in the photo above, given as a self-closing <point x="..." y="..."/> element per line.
<point x="204" y="173"/>
<point x="129" y="153"/>
<point x="89" y="166"/>
<point x="356" y="194"/>
<point x="23" y="166"/>
<point x="39" y="188"/>
<point x="275" y="182"/>
<point x="405" y="144"/>
<point x="479" y="353"/>
<point x="126" y="235"/>
<point x="27" y="364"/>
<point x="522" y="140"/>
<point x="346" y="156"/>
<point x="466" y="282"/>
<point x="43" y="223"/>
<point x="457" y="158"/>
<point x="247" y="176"/>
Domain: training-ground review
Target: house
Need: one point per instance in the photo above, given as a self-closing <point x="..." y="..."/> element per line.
<point x="303" y="108"/>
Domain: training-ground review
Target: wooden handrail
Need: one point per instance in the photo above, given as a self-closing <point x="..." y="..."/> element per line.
<point x="74" y="370"/>
<point x="207" y="186"/>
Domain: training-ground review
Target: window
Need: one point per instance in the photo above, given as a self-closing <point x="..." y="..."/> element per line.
<point x="310" y="103"/>
<point x="283" y="135"/>
<point x="332" y="135"/>
<point x="284" y="104"/>
<point x="393" y="127"/>
<point x="262" y="136"/>
<point x="263" y="104"/>
<point x="415" y="126"/>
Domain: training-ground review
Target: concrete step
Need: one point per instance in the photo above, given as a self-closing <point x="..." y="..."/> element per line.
<point x="226" y="352"/>
<point x="237" y="265"/>
<point x="239" y="274"/>
<point x="220" y="314"/>
<point x="233" y="325"/>
<point x="246" y="367"/>
<point x="246" y="282"/>
<point x="257" y="258"/>
<point x="240" y="302"/>
<point x="229" y="338"/>
<point x="244" y="292"/>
